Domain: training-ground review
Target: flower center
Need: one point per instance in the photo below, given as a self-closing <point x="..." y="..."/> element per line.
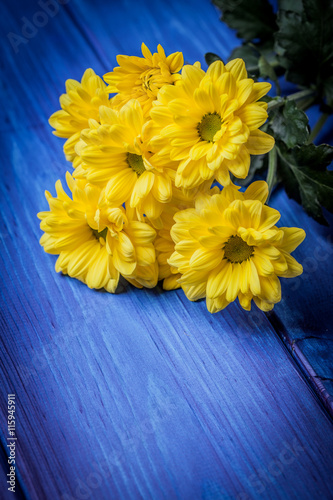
<point x="101" y="234"/>
<point x="136" y="163"/>
<point x="152" y="81"/>
<point x="237" y="250"/>
<point x="209" y="125"/>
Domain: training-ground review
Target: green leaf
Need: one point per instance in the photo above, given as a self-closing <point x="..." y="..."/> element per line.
<point x="210" y="57"/>
<point x="265" y="69"/>
<point x="304" y="43"/>
<point x="251" y="19"/>
<point x="304" y="174"/>
<point x="289" y="124"/>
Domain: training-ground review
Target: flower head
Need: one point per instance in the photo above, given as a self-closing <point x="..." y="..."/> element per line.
<point x="80" y="104"/>
<point x="209" y="122"/>
<point x="228" y="246"/>
<point x="95" y="241"/>
<point x="142" y="77"/>
<point x="116" y="154"/>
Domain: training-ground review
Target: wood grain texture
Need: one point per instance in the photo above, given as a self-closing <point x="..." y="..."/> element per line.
<point x="143" y="394"/>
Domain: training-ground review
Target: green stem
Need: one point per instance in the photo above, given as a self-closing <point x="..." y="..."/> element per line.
<point x="317" y="128"/>
<point x="302" y="94"/>
<point x="306" y="103"/>
<point x="271" y="173"/>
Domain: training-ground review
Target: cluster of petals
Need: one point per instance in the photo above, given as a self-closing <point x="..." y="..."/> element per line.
<point x="95" y="241"/>
<point x="140" y="203"/>
<point x="229" y="247"/>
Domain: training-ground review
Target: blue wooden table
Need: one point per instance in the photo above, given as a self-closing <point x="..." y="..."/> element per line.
<point x="143" y="394"/>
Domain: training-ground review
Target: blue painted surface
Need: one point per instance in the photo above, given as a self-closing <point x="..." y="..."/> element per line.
<point x="144" y="394"/>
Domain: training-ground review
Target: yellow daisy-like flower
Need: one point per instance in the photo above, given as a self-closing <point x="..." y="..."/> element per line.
<point x="142" y="77"/>
<point x="80" y="104"/>
<point x="116" y="154"/>
<point x="81" y="248"/>
<point x="209" y="123"/>
<point x="228" y="246"/>
<point x="95" y="241"/>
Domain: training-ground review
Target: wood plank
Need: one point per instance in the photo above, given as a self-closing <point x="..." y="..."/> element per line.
<point x="145" y="389"/>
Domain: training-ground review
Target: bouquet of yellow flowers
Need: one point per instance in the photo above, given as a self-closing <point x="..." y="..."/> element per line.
<point x="142" y="203"/>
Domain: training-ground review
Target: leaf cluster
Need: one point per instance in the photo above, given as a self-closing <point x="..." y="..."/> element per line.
<point x="296" y="42"/>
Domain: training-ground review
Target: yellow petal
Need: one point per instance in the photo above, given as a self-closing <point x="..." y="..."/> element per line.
<point x="203" y="101"/>
<point x="131" y="115"/>
<point x="240" y="165"/>
<point x="145" y="255"/>
<point x="142" y="187"/>
<point x="146" y="52"/>
<point x="203" y="259"/>
<point x="124" y="267"/>
<point x="141" y="233"/>
<point x="245" y="277"/>
<point x="254" y="281"/>
<point x="171" y="282"/>
<point x="218" y="280"/>
<point x="215" y="70"/>
<point x="216" y="305"/>
<point x="259" y="89"/>
<point x="270" y="289"/>
<point x="223" y="232"/>
<point x="125" y="247"/>
<point x="259" y="142"/>
<point x="211" y="241"/>
<point x="263" y="264"/>
<point x="195" y="292"/>
<point x="162" y="188"/>
<point x="263" y="305"/>
<point x="192" y="77"/>
<point x="294" y="268"/>
<point x="120" y="186"/>
<point x="253" y="116"/>
<point x="269" y="217"/>
<point x="293" y="236"/>
<point x="258" y="190"/>
<point x="199" y="150"/>
<point x="234" y="283"/>
<point x="244" y="89"/>
<point x="237" y="68"/>
<point x="175" y="62"/>
<point x="226" y="85"/>
<point x="245" y="301"/>
<point x="250" y="236"/>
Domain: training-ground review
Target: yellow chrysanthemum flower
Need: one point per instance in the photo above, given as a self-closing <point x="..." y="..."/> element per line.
<point x="228" y="246"/>
<point x="68" y="232"/>
<point x="95" y="241"/>
<point x="142" y="77"/>
<point x="116" y="154"/>
<point x="209" y="123"/>
<point x="80" y="104"/>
